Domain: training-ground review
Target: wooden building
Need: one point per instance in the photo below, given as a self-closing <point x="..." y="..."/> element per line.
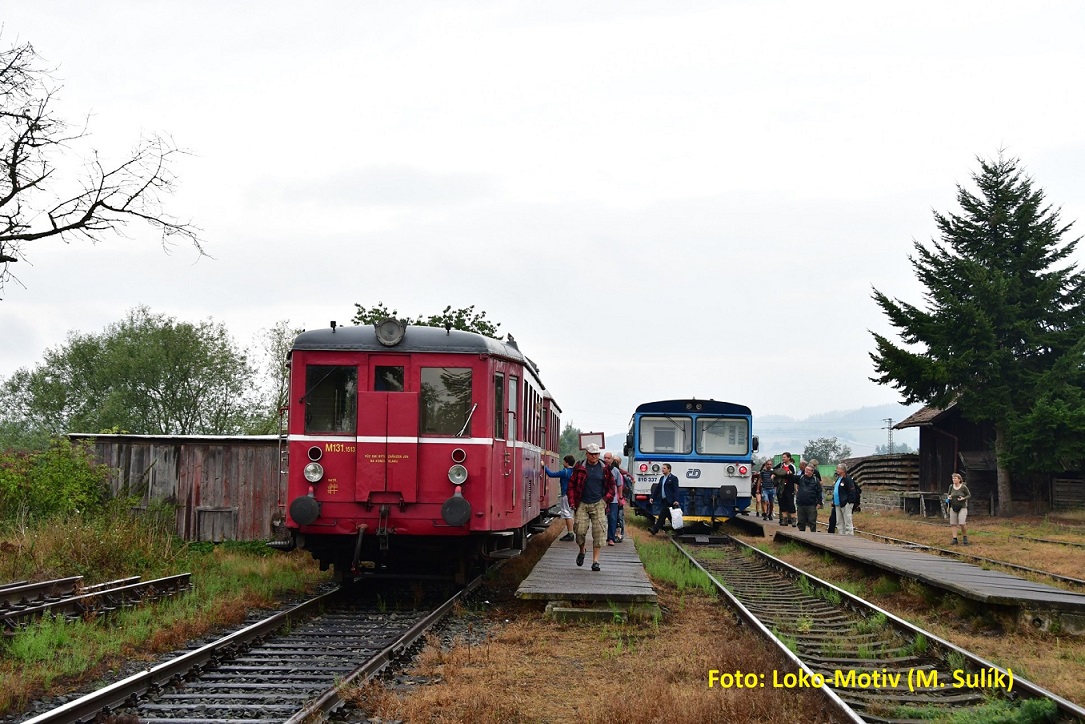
<point x="949" y="443"/>
<point x="221" y="487"/>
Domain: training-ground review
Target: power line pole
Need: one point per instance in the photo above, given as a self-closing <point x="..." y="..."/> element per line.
<point x="889" y="427"/>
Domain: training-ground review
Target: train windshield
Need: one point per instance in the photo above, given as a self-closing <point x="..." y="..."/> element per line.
<point x="331" y="398"/>
<point x="666" y="434"/>
<point x="722" y="436"/>
<point x="446" y="401"/>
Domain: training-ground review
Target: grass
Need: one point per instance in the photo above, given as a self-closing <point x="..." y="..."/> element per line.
<point x="53" y="655"/>
<point x="1000" y="711"/>
<point x="664" y="562"/>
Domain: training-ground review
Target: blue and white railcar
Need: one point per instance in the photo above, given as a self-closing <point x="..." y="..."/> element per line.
<point x="709" y="446"/>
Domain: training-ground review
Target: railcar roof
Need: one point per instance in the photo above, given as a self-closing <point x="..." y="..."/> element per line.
<point x="363" y="338"/>
<point x="711" y="407"/>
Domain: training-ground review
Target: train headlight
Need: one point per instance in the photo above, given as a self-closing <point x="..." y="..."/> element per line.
<point x="730" y="469"/>
<point x="313" y="472"/>
<point x="457" y="474"/>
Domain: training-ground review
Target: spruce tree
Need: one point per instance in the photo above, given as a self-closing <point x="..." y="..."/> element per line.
<point x="999" y="330"/>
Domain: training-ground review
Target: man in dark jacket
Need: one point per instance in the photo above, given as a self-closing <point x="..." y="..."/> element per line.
<point x="808" y="498"/>
<point x="845" y="496"/>
<point x="666" y="492"/>
<point x="591" y="488"/>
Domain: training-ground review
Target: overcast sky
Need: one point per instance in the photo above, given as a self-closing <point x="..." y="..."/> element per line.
<point x="658" y="199"/>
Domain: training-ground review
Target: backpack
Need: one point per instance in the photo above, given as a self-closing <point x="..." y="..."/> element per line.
<point x="627" y="479"/>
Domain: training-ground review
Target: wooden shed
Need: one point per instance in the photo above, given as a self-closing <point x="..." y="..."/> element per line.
<point x="222" y="487"/>
<point x="948" y="443"/>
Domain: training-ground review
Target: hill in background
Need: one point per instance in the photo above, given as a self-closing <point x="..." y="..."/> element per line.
<point x="862" y="430"/>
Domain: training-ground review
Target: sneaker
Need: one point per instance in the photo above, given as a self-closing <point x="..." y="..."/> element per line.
<point x="595" y="566"/>
<point x="965" y="541"/>
<point x="610" y="542"/>
<point x="954" y="541"/>
<point x="580" y="559"/>
<point x="567" y="537"/>
<point x="653" y="531"/>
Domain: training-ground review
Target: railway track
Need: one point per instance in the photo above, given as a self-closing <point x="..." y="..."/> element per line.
<point x="22" y="602"/>
<point x="874" y="666"/>
<point x="290" y="667"/>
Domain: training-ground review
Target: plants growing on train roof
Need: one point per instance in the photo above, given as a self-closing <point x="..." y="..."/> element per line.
<point x="37" y="199"/>
<point x="465" y="318"/>
<point x="1002" y="330"/>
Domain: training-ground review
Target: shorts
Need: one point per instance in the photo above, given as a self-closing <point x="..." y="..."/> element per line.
<point x="958" y="517"/>
<point x="593" y="516"/>
<point x="563" y="508"/>
<point x="768" y="495"/>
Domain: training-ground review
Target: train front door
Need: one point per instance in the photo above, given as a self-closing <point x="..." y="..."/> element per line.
<point x="387" y="434"/>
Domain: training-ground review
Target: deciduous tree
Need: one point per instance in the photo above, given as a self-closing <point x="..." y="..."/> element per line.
<point x="147" y="374"/>
<point x="826" y="450"/>
<point x="1003" y="317"/>
<point x="37" y="200"/>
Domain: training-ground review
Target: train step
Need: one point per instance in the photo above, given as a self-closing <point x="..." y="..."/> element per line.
<point x="505" y="553"/>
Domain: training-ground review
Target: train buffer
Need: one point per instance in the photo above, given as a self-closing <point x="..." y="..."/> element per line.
<point x="619" y="591"/>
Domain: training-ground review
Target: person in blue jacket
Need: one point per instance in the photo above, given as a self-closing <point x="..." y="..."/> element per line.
<point x="565" y="511"/>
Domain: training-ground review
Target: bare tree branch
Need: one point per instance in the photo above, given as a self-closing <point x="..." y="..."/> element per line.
<point x="32" y="204"/>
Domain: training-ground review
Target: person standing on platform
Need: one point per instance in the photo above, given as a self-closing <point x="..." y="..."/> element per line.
<point x="591" y="488"/>
<point x="845" y="495"/>
<point x="625" y="495"/>
<point x="755" y="493"/>
<point x="808" y="498"/>
<point x="666" y="493"/>
<point x="614" y="505"/>
<point x="957" y="497"/>
<point x="768" y="490"/>
<point x="566" y="512"/>
<point x="785" y="474"/>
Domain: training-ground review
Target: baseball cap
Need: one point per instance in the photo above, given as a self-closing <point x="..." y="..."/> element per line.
<point x="592" y="449"/>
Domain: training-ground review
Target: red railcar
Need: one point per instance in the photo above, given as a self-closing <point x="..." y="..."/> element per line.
<point x="416" y="450"/>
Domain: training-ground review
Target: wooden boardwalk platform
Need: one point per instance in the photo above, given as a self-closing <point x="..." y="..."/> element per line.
<point x="556" y="576"/>
<point x="964" y="579"/>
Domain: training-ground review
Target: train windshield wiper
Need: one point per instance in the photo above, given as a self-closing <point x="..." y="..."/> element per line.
<point x="467" y="421"/>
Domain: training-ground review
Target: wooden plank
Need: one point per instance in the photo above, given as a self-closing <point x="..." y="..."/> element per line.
<point x="965" y="579"/>
<point x="556" y="577"/>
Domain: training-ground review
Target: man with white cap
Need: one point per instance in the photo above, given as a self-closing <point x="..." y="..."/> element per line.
<point x="591" y="489"/>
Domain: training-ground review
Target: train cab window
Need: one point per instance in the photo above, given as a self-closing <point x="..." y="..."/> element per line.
<point x="387" y="379"/>
<point x="666" y="435"/>
<point x="446" y="407"/>
<point x="331" y="399"/>
<point x="722" y="436"/>
<point x="499" y="406"/>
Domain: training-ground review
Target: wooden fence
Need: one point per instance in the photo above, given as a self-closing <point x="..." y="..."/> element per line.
<point x="221" y="488"/>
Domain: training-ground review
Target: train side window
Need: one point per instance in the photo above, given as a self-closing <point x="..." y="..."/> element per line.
<point x="514" y="396"/>
<point x="499" y="406"/>
<point x="666" y="435"/>
<point x="387" y="379"/>
<point x="331" y="398"/>
<point x="446" y="407"/>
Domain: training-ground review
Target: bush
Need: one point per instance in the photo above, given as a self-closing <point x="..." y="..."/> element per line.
<point x="62" y="479"/>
